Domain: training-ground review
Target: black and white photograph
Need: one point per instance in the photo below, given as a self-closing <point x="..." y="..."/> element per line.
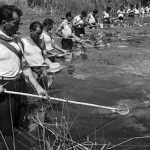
<point x="74" y="74"/>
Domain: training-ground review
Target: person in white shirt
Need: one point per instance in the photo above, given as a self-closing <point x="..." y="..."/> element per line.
<point x="121" y="13"/>
<point x="34" y="47"/>
<point x="46" y="36"/>
<point x="91" y="18"/>
<point x="147" y="9"/>
<point x="106" y="15"/>
<point x="142" y="12"/>
<point x="65" y="30"/>
<point x="138" y="15"/>
<point x="137" y="10"/>
<point x="131" y="15"/>
<point x="36" y="56"/>
<point x="131" y="12"/>
<point x="79" y="23"/>
<point x="13" y="108"/>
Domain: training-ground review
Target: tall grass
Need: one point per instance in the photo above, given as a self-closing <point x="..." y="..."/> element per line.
<point x="72" y="5"/>
<point x="60" y="7"/>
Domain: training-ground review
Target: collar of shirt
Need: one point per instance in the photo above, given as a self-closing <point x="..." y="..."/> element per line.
<point x="5" y="37"/>
<point x="67" y="22"/>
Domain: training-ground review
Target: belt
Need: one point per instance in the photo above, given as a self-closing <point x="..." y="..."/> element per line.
<point x="10" y="78"/>
<point x="7" y="78"/>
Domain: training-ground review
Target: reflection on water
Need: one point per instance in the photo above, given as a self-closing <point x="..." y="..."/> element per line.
<point x="85" y="85"/>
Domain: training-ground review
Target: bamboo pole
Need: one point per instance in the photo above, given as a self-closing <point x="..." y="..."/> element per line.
<point x="61" y="100"/>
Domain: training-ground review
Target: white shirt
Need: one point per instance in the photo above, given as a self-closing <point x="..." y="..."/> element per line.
<point x="32" y="53"/>
<point x="121" y="13"/>
<point x="66" y="28"/>
<point x="91" y="18"/>
<point x="9" y="61"/>
<point x="48" y="40"/>
<point x="130" y="11"/>
<point x="137" y="11"/>
<point x="147" y="9"/>
<point x="105" y="15"/>
<point x="142" y="11"/>
<point x="78" y="21"/>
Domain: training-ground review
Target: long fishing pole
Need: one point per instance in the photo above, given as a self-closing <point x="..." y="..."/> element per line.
<point x="121" y="109"/>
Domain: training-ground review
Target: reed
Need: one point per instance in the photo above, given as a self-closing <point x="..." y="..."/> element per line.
<point x="60" y="7"/>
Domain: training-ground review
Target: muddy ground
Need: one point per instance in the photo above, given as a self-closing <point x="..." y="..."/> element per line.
<point x="111" y="75"/>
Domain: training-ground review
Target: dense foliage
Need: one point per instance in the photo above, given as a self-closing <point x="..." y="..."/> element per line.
<point x="60" y="6"/>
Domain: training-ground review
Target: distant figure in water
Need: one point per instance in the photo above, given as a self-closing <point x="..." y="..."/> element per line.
<point x="65" y="31"/>
<point x="121" y="14"/>
<point x="92" y="18"/>
<point x="131" y="11"/>
<point x="51" y="46"/>
<point x="106" y="17"/>
<point x="131" y="15"/>
<point x="79" y="23"/>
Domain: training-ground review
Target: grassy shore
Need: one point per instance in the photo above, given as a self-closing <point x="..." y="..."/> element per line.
<point x="62" y="6"/>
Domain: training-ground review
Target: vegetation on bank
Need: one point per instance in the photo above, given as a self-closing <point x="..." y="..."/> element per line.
<point x="61" y="6"/>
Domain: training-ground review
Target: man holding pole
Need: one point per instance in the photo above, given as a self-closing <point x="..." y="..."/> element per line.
<point x="13" y="108"/>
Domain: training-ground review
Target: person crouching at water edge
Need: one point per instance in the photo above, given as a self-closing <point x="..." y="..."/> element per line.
<point x="79" y="23"/>
<point x="131" y="15"/>
<point x="36" y="56"/>
<point x="121" y="14"/>
<point x="13" y="108"/>
<point x="106" y="17"/>
<point x="92" y="19"/>
<point x="65" y="31"/>
<point x="51" y="47"/>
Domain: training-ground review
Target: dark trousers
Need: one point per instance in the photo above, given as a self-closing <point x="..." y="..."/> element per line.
<point x="67" y="44"/>
<point x="120" y="18"/>
<point x="79" y="31"/>
<point x="12" y="106"/>
<point x="106" y="21"/>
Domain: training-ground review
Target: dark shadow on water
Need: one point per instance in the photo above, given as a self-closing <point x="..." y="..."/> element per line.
<point x="92" y="122"/>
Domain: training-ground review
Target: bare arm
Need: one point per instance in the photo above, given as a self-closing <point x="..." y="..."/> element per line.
<point x="75" y="37"/>
<point x="59" y="29"/>
<point x="59" y="48"/>
<point x="28" y="72"/>
<point x="48" y="62"/>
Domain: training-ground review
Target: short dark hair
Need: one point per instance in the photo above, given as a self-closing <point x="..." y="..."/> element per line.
<point x="68" y="14"/>
<point x="47" y="22"/>
<point x="122" y="6"/>
<point x="131" y="6"/>
<point x="95" y="10"/>
<point x="34" y="25"/>
<point x="84" y="13"/>
<point x="108" y="8"/>
<point x="6" y="12"/>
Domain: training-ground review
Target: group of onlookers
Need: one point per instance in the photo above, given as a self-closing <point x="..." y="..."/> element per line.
<point x="133" y="11"/>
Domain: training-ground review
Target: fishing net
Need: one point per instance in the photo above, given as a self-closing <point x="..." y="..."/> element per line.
<point x="122" y="109"/>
